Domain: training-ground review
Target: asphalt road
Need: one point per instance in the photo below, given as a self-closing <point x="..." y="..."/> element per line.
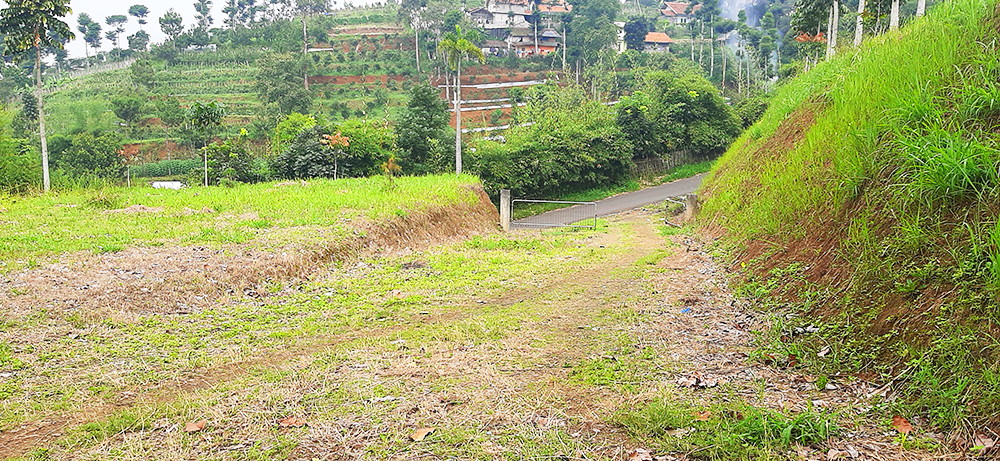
<point x="613" y="205"/>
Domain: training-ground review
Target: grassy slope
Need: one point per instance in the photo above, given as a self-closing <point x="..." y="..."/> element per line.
<point x="33" y="229"/>
<point x="866" y="196"/>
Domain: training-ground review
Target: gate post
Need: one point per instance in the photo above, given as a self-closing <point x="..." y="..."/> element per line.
<point x="505" y="209"/>
<point x="690" y="206"/>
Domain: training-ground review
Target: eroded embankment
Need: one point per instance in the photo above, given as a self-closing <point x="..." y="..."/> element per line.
<point x="863" y="207"/>
<point x="187" y="278"/>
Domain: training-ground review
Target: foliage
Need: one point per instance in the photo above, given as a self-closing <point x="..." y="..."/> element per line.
<point x="280" y="81"/>
<point x="634" y="120"/>
<point x="574" y="144"/>
<point x="289" y="129"/>
<point x="635" y="32"/>
<point x="19" y="165"/>
<point x="26" y="24"/>
<point x="894" y="161"/>
<point x="128" y="108"/>
<point x="371" y="144"/>
<point x="92" y="154"/>
<point x="205" y="117"/>
<point x="421" y="129"/>
<point x="230" y="161"/>
<point x="165" y="168"/>
<point x="172" y="24"/>
<point x="309" y="155"/>
<point x="691" y="113"/>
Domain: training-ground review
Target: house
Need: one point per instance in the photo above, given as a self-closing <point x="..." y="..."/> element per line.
<point x="507" y="14"/>
<point x="494" y="48"/>
<point x="677" y="12"/>
<point x="657" y="41"/>
<point x="522" y="41"/>
<point x="620" y="44"/>
<point x="480" y="16"/>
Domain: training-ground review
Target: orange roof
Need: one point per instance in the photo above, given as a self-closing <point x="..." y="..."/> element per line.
<point x="554" y="8"/>
<point x="657" y="37"/>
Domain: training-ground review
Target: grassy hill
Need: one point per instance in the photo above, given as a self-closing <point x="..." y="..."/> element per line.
<point x="865" y="204"/>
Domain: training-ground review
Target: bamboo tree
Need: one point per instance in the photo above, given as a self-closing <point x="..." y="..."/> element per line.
<point x="455" y="49"/>
<point x="36" y="23"/>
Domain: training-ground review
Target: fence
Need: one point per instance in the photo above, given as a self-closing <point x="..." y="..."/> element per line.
<point x="657" y="165"/>
<point x="576" y="214"/>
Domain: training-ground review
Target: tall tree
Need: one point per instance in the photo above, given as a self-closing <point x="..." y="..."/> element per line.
<point x="83" y="22"/>
<point x="34" y="23"/>
<point x="172" y="24"/>
<point x="232" y="12"/>
<point x="93" y="36"/>
<point x="279" y="81"/>
<point x="117" y="21"/>
<point x="456" y="49"/>
<point x="635" y="33"/>
<point x="140" y="12"/>
<point x="204" y="16"/>
<point x="421" y="126"/>
<point x="138" y="41"/>
<point x="859" y="27"/>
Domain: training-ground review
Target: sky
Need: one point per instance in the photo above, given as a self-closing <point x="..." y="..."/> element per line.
<point x="100" y="9"/>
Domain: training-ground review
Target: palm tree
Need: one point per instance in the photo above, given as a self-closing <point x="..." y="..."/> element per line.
<point x="36" y="23"/>
<point x="455" y="49"/>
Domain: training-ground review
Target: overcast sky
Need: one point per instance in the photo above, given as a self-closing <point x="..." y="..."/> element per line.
<point x="100" y="9"/>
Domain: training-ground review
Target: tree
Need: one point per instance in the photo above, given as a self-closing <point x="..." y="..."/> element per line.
<point x="97" y="154"/>
<point x="420" y="128"/>
<point x="635" y="33"/>
<point x="455" y="49"/>
<point x="118" y="22"/>
<point x="93" y="36"/>
<point x="139" y="12"/>
<point x="172" y="25"/>
<point x="138" y="41"/>
<point x="128" y="108"/>
<point x="34" y="23"/>
<point x="83" y="25"/>
<point x="204" y="16"/>
<point x="280" y="81"/>
<point x="205" y="118"/>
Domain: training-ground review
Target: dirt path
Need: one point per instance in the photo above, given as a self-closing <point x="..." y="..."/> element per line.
<point x="540" y="368"/>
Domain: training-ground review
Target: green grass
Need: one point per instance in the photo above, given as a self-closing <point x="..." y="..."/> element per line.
<point x="37" y="228"/>
<point x="727" y="431"/>
<point x="899" y="160"/>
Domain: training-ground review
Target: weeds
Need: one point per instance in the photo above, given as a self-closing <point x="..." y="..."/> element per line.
<point x="735" y="430"/>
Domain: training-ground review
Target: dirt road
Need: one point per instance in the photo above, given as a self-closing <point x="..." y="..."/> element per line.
<point x="531" y="345"/>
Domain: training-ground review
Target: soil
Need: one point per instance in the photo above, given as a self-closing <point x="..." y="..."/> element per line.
<point x="686" y="310"/>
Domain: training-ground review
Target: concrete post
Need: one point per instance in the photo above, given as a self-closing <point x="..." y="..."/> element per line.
<point x="505" y="209"/>
<point x="690" y="206"/>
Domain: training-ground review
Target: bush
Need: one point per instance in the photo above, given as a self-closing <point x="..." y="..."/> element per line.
<point x="230" y="161"/>
<point x="574" y="144"/>
<point x="20" y="168"/>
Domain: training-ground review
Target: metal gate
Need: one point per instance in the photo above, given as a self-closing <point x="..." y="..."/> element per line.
<point x="578" y="214"/>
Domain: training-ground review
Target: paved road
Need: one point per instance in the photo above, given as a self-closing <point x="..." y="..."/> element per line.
<point x="616" y="204"/>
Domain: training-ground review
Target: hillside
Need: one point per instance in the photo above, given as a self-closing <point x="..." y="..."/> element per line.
<point x="864" y="204"/>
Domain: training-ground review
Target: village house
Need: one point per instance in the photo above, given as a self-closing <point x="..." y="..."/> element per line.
<point x="677" y="12"/>
<point x="656" y="42"/>
<point x="500" y="16"/>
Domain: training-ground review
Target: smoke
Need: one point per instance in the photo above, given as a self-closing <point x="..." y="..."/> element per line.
<point x="755" y="9"/>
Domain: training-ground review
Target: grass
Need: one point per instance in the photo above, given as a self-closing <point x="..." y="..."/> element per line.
<point x="731" y="431"/>
<point x="890" y="151"/>
<point x="40" y="228"/>
<point x="680" y="172"/>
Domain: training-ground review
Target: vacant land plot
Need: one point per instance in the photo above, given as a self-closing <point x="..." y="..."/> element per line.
<point x="618" y="343"/>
